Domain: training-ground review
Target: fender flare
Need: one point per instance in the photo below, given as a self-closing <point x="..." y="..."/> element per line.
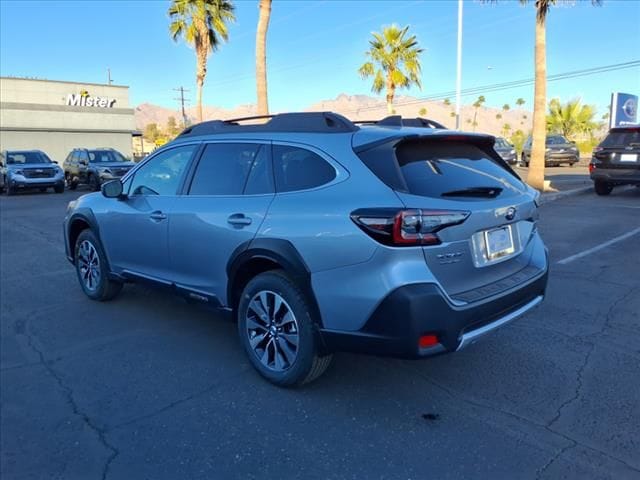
<point x="279" y="251"/>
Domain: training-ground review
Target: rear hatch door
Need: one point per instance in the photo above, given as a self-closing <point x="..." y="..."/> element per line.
<point x="620" y="149"/>
<point x="457" y="173"/>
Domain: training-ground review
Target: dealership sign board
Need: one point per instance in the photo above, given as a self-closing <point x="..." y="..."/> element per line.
<point x="624" y="110"/>
<point x="83" y="99"/>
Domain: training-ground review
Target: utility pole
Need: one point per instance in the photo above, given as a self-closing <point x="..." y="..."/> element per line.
<point x="459" y="65"/>
<point x="109" y="81"/>
<point x="181" y="99"/>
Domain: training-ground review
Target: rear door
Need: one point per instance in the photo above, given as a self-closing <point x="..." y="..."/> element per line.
<point x="221" y="209"/>
<point x="446" y="174"/>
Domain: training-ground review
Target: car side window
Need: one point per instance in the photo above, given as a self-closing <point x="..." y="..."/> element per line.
<point x="162" y="174"/>
<point x="299" y="169"/>
<point x="224" y="168"/>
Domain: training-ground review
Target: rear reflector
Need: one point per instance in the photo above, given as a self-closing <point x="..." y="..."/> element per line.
<point x="410" y="227"/>
<point x="427" y="341"/>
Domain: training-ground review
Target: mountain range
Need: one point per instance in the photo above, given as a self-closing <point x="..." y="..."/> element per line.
<point x="360" y="107"/>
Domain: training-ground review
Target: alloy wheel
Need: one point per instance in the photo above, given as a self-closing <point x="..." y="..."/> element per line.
<point x="272" y="330"/>
<point x="89" y="265"/>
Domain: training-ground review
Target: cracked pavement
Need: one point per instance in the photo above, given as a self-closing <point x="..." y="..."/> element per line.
<point x="149" y="386"/>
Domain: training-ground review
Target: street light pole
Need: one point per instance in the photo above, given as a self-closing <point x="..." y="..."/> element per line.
<point x="459" y="65"/>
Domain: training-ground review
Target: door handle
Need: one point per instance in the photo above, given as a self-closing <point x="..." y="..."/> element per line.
<point x="157" y="216"/>
<point x="239" y="220"/>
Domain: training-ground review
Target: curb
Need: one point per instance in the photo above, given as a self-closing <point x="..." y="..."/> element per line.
<point x="552" y="197"/>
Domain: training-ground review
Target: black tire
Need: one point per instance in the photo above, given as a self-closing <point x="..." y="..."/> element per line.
<point x="306" y="364"/>
<point x="99" y="287"/>
<point x="71" y="184"/>
<point x="602" y="188"/>
<point x="94" y="183"/>
<point x="10" y="191"/>
<point x="59" y="188"/>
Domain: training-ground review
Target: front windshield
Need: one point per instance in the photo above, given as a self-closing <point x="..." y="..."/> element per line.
<point x="21" y="158"/>
<point x="556" y="140"/>
<point x="105" y="156"/>
<point x="502" y="143"/>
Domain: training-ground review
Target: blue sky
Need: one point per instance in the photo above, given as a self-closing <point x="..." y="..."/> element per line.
<point x="315" y="48"/>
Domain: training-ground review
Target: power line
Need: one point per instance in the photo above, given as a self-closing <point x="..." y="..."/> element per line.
<point x="182" y="100"/>
<point x="496" y="87"/>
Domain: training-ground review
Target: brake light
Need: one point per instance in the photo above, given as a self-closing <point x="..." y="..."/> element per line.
<point x="592" y="167"/>
<point x="409" y="227"/>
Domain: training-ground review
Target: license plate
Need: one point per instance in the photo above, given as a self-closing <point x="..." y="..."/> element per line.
<point x="499" y="242"/>
<point x="628" y="157"/>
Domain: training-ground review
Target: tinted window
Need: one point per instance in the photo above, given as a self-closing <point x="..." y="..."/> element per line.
<point x="502" y="143"/>
<point x="82" y="156"/>
<point x="223" y="168"/>
<point x="162" y="174"/>
<point x="441" y="169"/>
<point x="556" y="140"/>
<point x="21" y="158"/>
<point x="98" y="156"/>
<point x="299" y="169"/>
<point x="260" y="179"/>
<point x="622" y="138"/>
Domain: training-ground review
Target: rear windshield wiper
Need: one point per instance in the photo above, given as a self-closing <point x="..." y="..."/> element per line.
<point x="488" y="192"/>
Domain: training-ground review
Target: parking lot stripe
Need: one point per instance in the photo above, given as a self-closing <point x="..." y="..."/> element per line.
<point x="589" y="251"/>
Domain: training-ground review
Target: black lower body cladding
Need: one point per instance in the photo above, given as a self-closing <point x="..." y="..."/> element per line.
<point x="409" y="312"/>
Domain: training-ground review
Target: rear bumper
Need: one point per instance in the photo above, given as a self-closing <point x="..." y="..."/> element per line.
<point x="620" y="176"/>
<point x="414" y="310"/>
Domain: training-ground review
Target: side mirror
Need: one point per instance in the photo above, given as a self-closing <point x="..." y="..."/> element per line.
<point x="112" y="189"/>
<point x="55" y="161"/>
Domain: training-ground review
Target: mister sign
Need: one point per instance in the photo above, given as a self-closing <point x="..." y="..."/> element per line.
<point x="83" y="99"/>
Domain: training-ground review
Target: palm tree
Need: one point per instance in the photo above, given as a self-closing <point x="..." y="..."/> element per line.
<point x="477" y="104"/>
<point x="571" y="119"/>
<point x="261" y="56"/>
<point x="520" y="102"/>
<point x="203" y="25"/>
<point x="536" y="166"/>
<point x="506" y="128"/>
<point x="394" y="62"/>
<point x="422" y="112"/>
<point x="447" y="102"/>
<point x="498" y="116"/>
<point x="506" y="107"/>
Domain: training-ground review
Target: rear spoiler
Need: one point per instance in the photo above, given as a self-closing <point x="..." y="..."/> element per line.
<point x="483" y="141"/>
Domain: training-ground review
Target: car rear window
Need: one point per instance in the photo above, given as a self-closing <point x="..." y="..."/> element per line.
<point x="621" y="138"/>
<point x="441" y="169"/>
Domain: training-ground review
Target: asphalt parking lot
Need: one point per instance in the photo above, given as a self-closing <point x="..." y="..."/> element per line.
<point x="148" y="386"/>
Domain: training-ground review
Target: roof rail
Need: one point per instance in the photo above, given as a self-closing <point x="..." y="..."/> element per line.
<point x="398" y="121"/>
<point x="296" y="122"/>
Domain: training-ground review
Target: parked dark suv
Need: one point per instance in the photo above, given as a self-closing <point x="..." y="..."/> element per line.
<point x="558" y="150"/>
<point x="318" y="235"/>
<point x="94" y="166"/>
<point x="616" y="161"/>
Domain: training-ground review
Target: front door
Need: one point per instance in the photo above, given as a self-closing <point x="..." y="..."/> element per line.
<point x="135" y="229"/>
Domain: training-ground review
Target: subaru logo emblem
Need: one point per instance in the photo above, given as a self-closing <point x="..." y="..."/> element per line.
<point x="511" y="213"/>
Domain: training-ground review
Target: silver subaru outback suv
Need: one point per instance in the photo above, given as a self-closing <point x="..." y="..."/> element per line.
<point x="318" y="235"/>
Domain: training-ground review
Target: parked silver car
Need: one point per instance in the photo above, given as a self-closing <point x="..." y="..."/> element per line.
<point x="29" y="169"/>
<point x="318" y="236"/>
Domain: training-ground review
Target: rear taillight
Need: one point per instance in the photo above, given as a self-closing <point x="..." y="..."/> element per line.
<point x="592" y="167"/>
<point x="411" y="227"/>
<point x="597" y="149"/>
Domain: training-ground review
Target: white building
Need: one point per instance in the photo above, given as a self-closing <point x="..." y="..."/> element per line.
<point x="55" y="116"/>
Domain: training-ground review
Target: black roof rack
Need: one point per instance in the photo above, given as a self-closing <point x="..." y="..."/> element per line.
<point x="297" y="122"/>
<point x="398" y="121"/>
